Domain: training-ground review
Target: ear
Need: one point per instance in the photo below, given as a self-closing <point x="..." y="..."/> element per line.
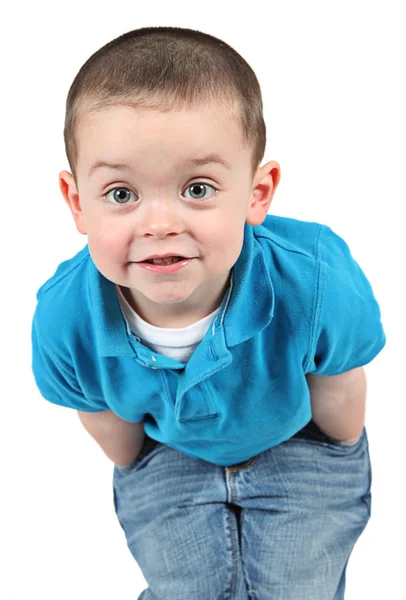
<point x="264" y="185"/>
<point x="69" y="192"/>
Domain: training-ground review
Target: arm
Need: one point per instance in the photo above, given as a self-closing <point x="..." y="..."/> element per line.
<point x="120" y="440"/>
<point x="338" y="403"/>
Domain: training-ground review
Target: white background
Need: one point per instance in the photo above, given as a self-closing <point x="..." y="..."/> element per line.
<point x="333" y="81"/>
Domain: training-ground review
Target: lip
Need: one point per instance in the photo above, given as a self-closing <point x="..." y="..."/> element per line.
<point x="164" y="269"/>
<point x="163" y="256"/>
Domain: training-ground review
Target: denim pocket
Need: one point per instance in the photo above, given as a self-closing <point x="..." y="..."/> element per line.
<point x="312" y="432"/>
<point x="347" y="444"/>
<point x="148" y="445"/>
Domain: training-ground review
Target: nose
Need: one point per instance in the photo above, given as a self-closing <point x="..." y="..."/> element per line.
<point x="160" y="219"/>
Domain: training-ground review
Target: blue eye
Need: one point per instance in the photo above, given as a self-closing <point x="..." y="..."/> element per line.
<point x="119" y="194"/>
<point x="203" y="186"/>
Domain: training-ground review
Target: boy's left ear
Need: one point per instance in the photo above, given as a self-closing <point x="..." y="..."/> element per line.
<point x="264" y="185"/>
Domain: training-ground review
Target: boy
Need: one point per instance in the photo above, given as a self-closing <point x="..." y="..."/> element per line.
<point x="214" y="351"/>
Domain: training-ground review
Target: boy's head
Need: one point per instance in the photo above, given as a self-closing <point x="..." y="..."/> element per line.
<point x="155" y="99"/>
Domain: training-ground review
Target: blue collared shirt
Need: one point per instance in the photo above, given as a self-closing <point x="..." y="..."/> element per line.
<point x="298" y="303"/>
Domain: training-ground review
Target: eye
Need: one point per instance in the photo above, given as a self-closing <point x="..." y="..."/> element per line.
<point x="120" y="194"/>
<point x="200" y="186"/>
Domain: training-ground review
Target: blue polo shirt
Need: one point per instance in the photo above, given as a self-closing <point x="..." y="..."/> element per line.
<point x="297" y="303"/>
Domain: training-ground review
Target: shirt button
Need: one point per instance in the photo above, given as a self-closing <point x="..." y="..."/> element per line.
<point x="153" y="357"/>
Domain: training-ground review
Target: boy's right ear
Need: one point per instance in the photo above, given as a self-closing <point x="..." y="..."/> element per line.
<point x="70" y="193"/>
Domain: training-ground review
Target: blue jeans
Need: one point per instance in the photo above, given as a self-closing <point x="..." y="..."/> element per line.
<point x="280" y="526"/>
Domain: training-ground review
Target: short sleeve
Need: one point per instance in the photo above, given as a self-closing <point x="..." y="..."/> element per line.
<point x="347" y="330"/>
<point x="56" y="380"/>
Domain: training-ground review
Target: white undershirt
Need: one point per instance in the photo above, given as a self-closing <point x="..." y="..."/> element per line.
<point x="175" y="343"/>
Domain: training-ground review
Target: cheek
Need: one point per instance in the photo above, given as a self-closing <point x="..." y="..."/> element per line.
<point x="225" y="236"/>
<point x="107" y="240"/>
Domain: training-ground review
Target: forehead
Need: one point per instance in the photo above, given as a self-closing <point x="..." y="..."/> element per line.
<point x="118" y="133"/>
<point x="209" y="112"/>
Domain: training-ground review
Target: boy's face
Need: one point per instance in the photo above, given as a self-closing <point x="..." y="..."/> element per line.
<point x="163" y="205"/>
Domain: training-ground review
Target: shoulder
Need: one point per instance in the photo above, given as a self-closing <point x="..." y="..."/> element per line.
<point x="290" y="249"/>
<point x="297" y="242"/>
<point x="63" y="299"/>
<point x="65" y="270"/>
<point x="286" y="235"/>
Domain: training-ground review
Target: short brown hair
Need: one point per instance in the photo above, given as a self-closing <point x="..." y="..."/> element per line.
<point x="167" y="68"/>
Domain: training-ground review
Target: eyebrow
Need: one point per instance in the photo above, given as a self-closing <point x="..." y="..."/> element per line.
<point x="194" y="162"/>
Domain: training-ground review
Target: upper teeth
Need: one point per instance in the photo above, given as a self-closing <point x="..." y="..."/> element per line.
<point x="166" y="261"/>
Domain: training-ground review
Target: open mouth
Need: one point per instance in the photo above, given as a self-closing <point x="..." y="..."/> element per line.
<point x="169" y="260"/>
